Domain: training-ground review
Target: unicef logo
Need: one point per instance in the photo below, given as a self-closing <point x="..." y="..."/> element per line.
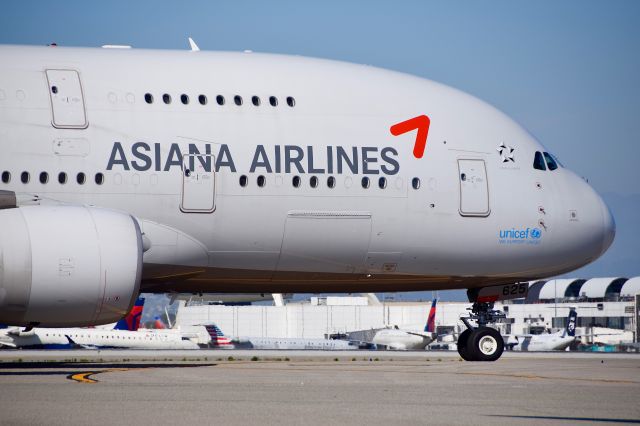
<point x="531" y="236"/>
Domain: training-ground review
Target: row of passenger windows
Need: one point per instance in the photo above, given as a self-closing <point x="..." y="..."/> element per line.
<point x="43" y="177"/>
<point x="296" y="181"/>
<point x="314" y="182"/>
<point x="220" y="100"/>
<point x="551" y="162"/>
<point x="103" y="336"/>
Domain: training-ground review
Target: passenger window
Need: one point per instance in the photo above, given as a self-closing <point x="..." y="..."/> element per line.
<point x="255" y="100"/>
<point x="24" y="177"/>
<point x="62" y="178"/>
<point x="166" y="98"/>
<point x="261" y="181"/>
<point x="44" y="177"/>
<point x="551" y="162"/>
<point x="81" y="178"/>
<point x="148" y="97"/>
<point x="331" y="182"/>
<point x="243" y="181"/>
<point x="365" y="182"/>
<point x="273" y="101"/>
<point x="313" y="181"/>
<point x="291" y="102"/>
<point x="538" y="162"/>
<point x="184" y="99"/>
<point x="6" y="177"/>
<point x="220" y="99"/>
<point x="382" y="182"/>
<point x="202" y="99"/>
<point x="415" y="183"/>
<point x="296" y="181"/>
<point x="99" y="178"/>
<point x="237" y="99"/>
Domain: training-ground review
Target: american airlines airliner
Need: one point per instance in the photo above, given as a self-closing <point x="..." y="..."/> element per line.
<point x="126" y="170"/>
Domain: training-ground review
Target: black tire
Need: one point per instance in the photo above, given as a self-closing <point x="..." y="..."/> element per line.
<point x="485" y="344"/>
<point x="463" y="345"/>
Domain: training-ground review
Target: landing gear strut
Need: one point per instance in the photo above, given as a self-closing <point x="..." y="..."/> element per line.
<point x="481" y="343"/>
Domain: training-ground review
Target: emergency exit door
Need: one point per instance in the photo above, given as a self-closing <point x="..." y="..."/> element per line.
<point x="474" y="188"/>
<point x="198" y="184"/>
<point x="67" y="100"/>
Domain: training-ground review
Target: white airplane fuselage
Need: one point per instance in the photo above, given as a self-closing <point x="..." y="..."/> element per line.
<point x="96" y="338"/>
<point x="288" y="343"/>
<point x="558" y="341"/>
<point x="401" y="340"/>
<point x="276" y="198"/>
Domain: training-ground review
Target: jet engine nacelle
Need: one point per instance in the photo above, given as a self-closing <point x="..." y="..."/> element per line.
<point x="67" y="266"/>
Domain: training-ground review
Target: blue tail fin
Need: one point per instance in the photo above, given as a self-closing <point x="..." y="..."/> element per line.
<point x="571" y="323"/>
<point x="430" y="326"/>
<point x="132" y="321"/>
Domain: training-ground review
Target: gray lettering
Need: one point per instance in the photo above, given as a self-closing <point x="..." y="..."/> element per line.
<point x="260" y="159"/>
<point x="366" y="160"/>
<point x="117" y="157"/>
<point x="174" y="158"/>
<point x="289" y="159"/>
<point x="352" y="163"/>
<point x="205" y="160"/>
<point x="395" y="166"/>
<point x="136" y="149"/>
<point x="312" y="169"/>
<point x="224" y="159"/>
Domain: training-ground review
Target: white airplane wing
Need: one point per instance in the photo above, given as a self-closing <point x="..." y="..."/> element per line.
<point x="421" y="334"/>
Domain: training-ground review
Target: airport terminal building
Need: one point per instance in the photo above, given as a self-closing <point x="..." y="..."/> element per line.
<point x="606" y="306"/>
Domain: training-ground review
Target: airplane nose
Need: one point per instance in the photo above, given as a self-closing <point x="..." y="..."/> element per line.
<point x="608" y="227"/>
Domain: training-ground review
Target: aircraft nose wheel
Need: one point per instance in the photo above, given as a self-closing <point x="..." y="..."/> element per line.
<point x="480" y="344"/>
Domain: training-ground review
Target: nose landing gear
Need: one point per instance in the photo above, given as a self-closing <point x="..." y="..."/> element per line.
<point x="481" y="343"/>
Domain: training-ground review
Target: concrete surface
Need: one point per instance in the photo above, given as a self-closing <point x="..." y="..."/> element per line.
<point x="312" y="388"/>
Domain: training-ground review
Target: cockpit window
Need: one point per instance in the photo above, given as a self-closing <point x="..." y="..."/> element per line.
<point x="538" y="161"/>
<point x="551" y="162"/>
<point x="556" y="160"/>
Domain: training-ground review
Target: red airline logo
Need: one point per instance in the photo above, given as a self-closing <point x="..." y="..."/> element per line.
<point x="421" y="123"/>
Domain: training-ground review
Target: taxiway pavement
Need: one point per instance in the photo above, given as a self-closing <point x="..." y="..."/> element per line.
<point x="308" y="387"/>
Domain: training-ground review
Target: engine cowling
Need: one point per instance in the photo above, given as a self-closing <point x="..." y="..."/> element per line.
<point x="67" y="266"/>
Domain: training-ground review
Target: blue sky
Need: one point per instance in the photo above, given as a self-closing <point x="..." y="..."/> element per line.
<point x="568" y="71"/>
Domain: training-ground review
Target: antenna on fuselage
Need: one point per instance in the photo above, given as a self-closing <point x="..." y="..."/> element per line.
<point x="194" y="46"/>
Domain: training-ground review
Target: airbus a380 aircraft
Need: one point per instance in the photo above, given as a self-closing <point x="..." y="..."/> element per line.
<point x="131" y="170"/>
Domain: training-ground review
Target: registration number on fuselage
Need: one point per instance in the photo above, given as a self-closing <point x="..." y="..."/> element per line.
<point x="503" y="292"/>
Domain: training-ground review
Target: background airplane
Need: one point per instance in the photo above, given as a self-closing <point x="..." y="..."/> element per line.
<point x="558" y="341"/>
<point x="405" y="339"/>
<point x="294" y="343"/>
<point x="125" y="334"/>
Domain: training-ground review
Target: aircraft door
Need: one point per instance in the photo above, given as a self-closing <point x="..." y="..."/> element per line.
<point x="198" y="184"/>
<point x="474" y="188"/>
<point x="67" y="100"/>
